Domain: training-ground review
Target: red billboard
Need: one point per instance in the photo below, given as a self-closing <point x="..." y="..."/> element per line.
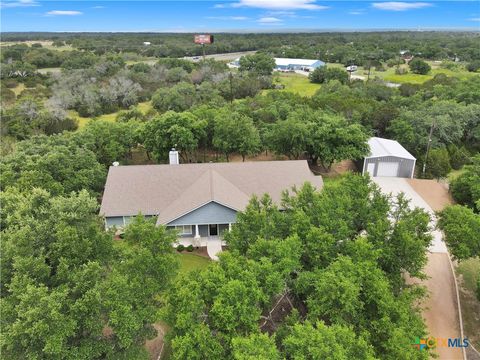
<point x="203" y="39"/>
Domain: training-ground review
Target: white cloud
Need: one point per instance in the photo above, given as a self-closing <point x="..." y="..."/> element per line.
<point x="280" y="4"/>
<point x="357" y="12"/>
<point x="269" y="20"/>
<point x="476" y="19"/>
<point x="98" y="7"/>
<point x="219" y="6"/>
<point x="19" y="3"/>
<point x="235" y="18"/>
<point x="400" y="6"/>
<point x="64" y="12"/>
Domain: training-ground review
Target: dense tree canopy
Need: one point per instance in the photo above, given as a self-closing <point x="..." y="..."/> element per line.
<point x="349" y="292"/>
<point x="67" y="291"/>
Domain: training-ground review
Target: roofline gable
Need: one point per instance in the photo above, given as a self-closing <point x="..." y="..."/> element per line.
<point x="199" y="207"/>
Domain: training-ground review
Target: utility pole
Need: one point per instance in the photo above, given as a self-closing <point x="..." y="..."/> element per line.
<point x="203" y="51"/>
<point x="230" y="77"/>
<point x="428" y="147"/>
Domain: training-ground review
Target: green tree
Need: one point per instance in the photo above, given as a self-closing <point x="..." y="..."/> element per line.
<point x="183" y="131"/>
<point x="466" y="187"/>
<point x="288" y="137"/>
<point x="438" y="163"/>
<point x="357" y="294"/>
<point x="325" y="74"/>
<point x="461" y="227"/>
<point x="55" y="163"/>
<point x="235" y="133"/>
<point x="259" y="63"/>
<point x="418" y="66"/>
<point x="198" y="344"/>
<point x="255" y="347"/>
<point x="66" y="293"/>
<point x="473" y="66"/>
<point x="306" y="341"/>
<point x="109" y="141"/>
<point x="332" y="138"/>
<point x="179" y="97"/>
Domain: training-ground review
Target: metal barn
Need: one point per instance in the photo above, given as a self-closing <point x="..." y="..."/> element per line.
<point x="388" y="158"/>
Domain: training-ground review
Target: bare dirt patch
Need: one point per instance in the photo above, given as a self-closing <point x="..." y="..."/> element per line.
<point x="434" y="193"/>
<point x="155" y="345"/>
<point x="440" y="308"/>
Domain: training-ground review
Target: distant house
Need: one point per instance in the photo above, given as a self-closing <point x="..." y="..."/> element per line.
<point x="285" y="64"/>
<point x="388" y="158"/>
<point x="147" y="43"/>
<point x="201" y="201"/>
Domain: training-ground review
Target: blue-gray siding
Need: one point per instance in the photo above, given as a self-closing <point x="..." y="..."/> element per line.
<point x="211" y="213"/>
<point x="405" y="167"/>
<point x="121" y="221"/>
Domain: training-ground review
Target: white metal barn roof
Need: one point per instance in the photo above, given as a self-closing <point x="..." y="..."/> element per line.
<point x="380" y="147"/>
<point x="287" y="61"/>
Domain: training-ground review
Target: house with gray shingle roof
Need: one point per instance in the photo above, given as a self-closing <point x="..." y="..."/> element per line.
<point x="199" y="200"/>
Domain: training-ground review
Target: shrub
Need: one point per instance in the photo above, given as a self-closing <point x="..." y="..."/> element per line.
<point x="10" y="83"/>
<point x="473" y="66"/>
<point x="180" y="248"/>
<point x="438" y="164"/>
<point x="459" y="156"/>
<point x="418" y="66"/>
<point x="190" y="248"/>
<point x="323" y="74"/>
<point x="401" y="71"/>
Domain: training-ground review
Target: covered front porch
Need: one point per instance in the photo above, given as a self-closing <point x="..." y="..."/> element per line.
<point x="203" y="235"/>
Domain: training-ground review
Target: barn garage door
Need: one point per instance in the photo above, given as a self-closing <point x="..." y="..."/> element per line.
<point x="387" y="169"/>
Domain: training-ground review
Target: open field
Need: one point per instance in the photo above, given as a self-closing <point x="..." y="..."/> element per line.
<point x="296" y="83"/>
<point x="47" y="44"/>
<point x="390" y="76"/>
<point x="144" y="107"/>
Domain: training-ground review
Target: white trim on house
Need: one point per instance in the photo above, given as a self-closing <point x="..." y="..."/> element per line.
<point x="184" y="229"/>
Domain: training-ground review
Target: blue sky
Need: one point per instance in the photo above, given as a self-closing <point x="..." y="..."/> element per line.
<point x="237" y="15"/>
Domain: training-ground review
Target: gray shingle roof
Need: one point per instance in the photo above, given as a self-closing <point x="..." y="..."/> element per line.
<point x="171" y="191"/>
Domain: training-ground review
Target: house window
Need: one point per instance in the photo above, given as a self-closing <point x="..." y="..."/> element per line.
<point x="184" y="229"/>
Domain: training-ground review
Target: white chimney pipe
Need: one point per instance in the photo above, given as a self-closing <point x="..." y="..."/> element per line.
<point x="173" y="157"/>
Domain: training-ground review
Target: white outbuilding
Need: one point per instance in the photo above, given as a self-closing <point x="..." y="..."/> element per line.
<point x="388" y="158"/>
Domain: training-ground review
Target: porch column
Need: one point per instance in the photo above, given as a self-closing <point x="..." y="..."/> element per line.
<point x="196" y="238"/>
<point x="229" y="227"/>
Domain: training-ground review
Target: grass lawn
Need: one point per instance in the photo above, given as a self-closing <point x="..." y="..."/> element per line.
<point x="452" y="175"/>
<point x="189" y="262"/>
<point x="82" y="121"/>
<point x="144" y="107"/>
<point x="296" y="83"/>
<point x="470" y="271"/>
<point x="18" y="89"/>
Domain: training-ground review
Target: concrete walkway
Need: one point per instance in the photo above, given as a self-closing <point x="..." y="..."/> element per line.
<point x="214" y="246"/>
<point x="440" y="308"/>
